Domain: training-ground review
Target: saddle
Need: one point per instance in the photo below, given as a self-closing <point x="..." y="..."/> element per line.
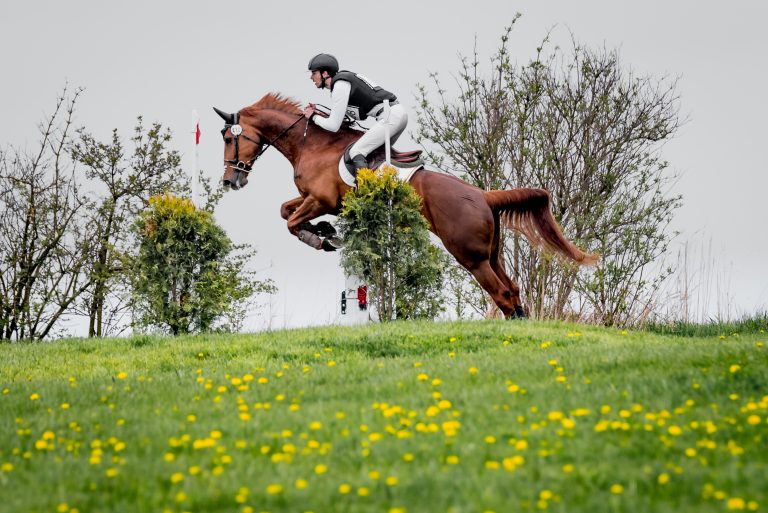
<point x="401" y="159"/>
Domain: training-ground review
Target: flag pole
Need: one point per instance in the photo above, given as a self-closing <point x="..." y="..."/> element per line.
<point x="387" y="143"/>
<point x="196" y="153"/>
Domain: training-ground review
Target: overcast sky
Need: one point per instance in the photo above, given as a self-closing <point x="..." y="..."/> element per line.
<point x="162" y="59"/>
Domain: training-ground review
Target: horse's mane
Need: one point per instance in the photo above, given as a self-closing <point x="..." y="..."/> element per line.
<point x="278" y="102"/>
<point x="275" y="101"/>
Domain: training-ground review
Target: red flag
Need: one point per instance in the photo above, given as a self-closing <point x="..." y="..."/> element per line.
<point x="197" y="133"/>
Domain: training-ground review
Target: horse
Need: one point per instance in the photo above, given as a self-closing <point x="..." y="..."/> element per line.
<point x="468" y="220"/>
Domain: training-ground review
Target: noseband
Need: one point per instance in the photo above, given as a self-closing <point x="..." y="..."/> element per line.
<point x="237" y="132"/>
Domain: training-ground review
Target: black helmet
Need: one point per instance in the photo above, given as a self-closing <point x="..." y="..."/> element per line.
<point x="324" y="62"/>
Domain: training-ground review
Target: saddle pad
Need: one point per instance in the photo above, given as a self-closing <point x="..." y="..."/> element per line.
<point x="404" y="173"/>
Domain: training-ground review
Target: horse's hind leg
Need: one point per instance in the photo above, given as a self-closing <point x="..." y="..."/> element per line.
<point x="497" y="264"/>
<point x="495" y="286"/>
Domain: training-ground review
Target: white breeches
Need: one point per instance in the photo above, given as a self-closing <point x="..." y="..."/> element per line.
<point x="374" y="137"/>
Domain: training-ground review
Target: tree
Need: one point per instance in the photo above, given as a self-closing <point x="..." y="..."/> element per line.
<point x="187" y="275"/>
<point x="591" y="133"/>
<point x="124" y="183"/>
<point x="44" y="241"/>
<point x="386" y="243"/>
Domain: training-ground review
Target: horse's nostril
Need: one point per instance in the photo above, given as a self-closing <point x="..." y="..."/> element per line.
<point x="226" y="183"/>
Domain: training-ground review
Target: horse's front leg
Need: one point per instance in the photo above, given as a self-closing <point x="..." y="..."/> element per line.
<point x="309" y="209"/>
<point x="290" y="206"/>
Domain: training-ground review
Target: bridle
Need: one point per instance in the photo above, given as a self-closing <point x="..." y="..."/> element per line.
<point x="237" y="131"/>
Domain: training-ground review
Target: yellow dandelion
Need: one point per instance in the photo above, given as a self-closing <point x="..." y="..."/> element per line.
<point x="111" y="472"/>
<point x="617" y="489"/>
<point x="555" y="415"/>
<point x="320" y="469"/>
<point x="674" y="430"/>
<point x="63" y="507"/>
<point x="568" y="468"/>
<point x="7" y="467"/>
<point x="663" y="478"/>
<point x="34" y="396"/>
<point x="374" y="475"/>
<point x="735" y="503"/>
<point x="122" y="375"/>
<point x="753" y="420"/>
<point x="363" y="491"/>
<point x="177" y="477"/>
<point x="391" y="481"/>
<point x="734" y="368"/>
<point x="301" y="484"/>
<point x="344" y="488"/>
<point x="274" y="489"/>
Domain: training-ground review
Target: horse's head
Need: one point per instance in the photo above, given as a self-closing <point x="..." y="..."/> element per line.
<point x="241" y="150"/>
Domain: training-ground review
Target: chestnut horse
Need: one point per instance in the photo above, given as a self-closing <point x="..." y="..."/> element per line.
<point x="467" y="219"/>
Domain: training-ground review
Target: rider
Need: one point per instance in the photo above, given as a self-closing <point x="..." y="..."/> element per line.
<point x="357" y="96"/>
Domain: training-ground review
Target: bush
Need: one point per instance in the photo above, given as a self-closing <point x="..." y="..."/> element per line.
<point x="188" y="276"/>
<point x="386" y="243"/>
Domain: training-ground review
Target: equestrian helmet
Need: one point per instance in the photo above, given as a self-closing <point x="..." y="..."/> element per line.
<point x="324" y="62"/>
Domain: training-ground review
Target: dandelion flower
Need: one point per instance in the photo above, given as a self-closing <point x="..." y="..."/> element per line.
<point x="617" y="489"/>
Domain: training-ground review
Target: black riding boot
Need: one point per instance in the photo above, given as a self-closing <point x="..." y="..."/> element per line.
<point x="360" y="162"/>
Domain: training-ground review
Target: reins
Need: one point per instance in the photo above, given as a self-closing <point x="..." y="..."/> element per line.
<point x="237" y="131"/>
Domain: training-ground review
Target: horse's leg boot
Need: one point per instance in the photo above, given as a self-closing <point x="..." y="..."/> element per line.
<point x="310" y="239"/>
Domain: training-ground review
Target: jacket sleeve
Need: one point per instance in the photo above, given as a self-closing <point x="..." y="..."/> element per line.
<point x="339" y="101"/>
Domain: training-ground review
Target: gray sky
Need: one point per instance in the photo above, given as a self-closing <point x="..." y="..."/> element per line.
<point x="162" y="59"/>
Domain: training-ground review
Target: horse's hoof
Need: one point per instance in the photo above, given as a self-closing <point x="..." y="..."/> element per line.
<point x="520" y="312"/>
<point x="331" y="244"/>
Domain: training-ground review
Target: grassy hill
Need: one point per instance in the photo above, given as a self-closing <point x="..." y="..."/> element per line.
<point x="408" y="417"/>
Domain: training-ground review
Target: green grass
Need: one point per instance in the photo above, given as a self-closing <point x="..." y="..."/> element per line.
<point x="415" y="417"/>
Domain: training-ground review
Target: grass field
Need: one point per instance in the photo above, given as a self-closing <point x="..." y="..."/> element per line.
<point x="412" y="417"/>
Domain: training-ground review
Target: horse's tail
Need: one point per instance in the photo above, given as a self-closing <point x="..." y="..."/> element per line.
<point x="527" y="211"/>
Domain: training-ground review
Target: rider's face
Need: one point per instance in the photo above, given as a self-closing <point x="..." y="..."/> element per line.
<point x="316" y="78"/>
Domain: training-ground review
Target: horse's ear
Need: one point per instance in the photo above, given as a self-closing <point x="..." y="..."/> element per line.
<point x="228" y="118"/>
